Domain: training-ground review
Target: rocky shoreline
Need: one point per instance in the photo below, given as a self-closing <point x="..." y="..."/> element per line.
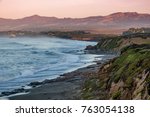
<point x="66" y="86"/>
<point x="124" y="77"/>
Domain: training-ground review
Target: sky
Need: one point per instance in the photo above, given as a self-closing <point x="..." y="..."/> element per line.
<point x="70" y="8"/>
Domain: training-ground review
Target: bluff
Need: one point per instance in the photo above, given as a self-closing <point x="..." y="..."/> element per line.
<point x="126" y="76"/>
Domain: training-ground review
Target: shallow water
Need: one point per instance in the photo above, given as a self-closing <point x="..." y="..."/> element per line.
<point x="24" y="60"/>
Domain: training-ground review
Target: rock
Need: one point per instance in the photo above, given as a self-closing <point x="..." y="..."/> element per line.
<point x="34" y="84"/>
<point x="48" y="81"/>
<point x="19" y="90"/>
<point x="98" y="62"/>
<point x="90" y="47"/>
<point x="7" y="93"/>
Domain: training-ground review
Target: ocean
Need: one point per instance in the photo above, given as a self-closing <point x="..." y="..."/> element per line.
<point x="26" y="59"/>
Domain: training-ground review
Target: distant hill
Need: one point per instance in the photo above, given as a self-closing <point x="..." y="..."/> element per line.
<point x="113" y="22"/>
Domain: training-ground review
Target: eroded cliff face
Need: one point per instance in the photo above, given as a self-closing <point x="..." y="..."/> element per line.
<point x="124" y="77"/>
<point x="138" y="90"/>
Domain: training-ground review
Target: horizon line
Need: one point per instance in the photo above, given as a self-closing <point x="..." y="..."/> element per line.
<point x="72" y="17"/>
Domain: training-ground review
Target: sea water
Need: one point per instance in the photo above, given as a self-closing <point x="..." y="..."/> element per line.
<point x="26" y="59"/>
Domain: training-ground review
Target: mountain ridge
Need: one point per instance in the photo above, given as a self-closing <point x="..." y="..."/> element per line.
<point x="117" y="20"/>
<point x="112" y="14"/>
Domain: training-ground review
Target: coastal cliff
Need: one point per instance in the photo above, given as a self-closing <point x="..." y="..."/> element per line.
<point x="126" y="76"/>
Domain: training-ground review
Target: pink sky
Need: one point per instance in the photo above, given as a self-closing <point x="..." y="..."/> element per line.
<point x="70" y="8"/>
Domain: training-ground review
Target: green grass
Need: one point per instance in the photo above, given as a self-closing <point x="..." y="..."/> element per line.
<point x="130" y="63"/>
<point x="116" y="95"/>
<point x="133" y="61"/>
<point x="109" y="43"/>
